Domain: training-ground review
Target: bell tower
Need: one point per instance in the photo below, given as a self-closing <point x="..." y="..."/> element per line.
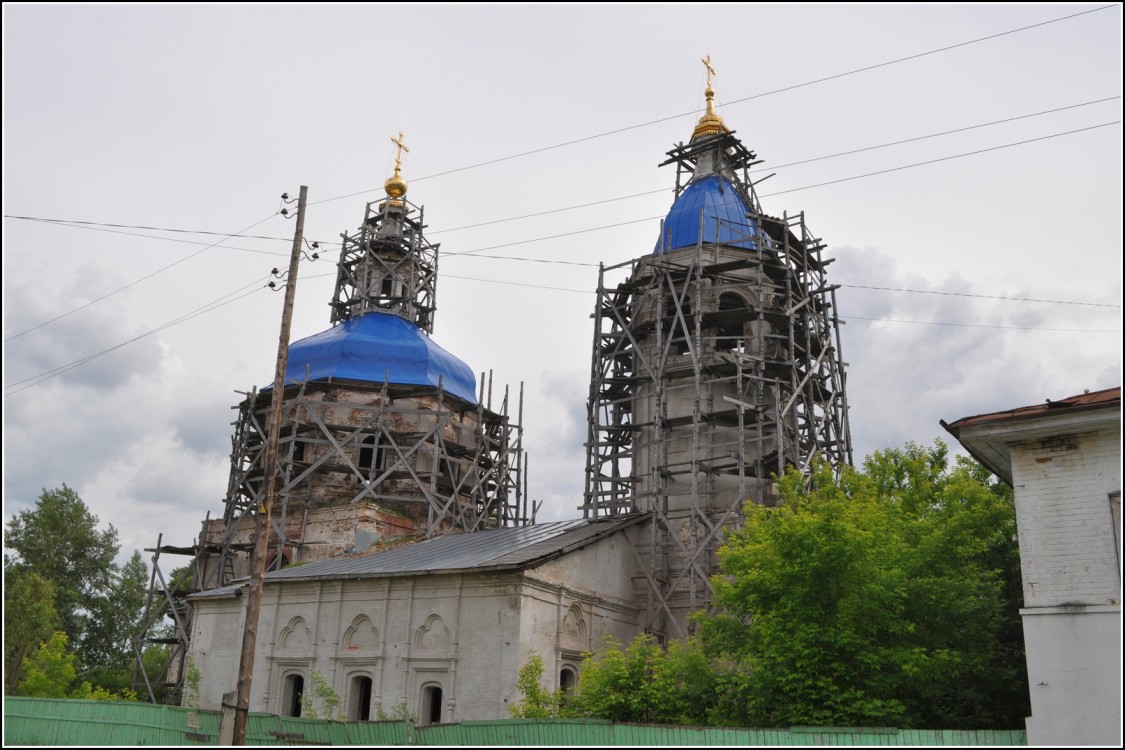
<point x="387" y="265"/>
<point x="716" y="365"/>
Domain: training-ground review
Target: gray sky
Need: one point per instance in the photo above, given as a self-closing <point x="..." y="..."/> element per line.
<point x="199" y="117"/>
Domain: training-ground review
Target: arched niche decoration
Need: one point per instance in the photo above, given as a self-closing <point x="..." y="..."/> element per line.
<point x="574" y="629"/>
<point x="432" y="637"/>
<point x="361" y="637"/>
<point x="295" y="637"/>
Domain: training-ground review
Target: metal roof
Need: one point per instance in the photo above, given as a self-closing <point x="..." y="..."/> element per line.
<point x="379" y="346"/>
<point x="1096" y="399"/>
<point x="494" y="549"/>
<point x="988" y="437"/>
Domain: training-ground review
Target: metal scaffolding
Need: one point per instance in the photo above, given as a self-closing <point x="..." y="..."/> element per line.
<point x="714" y="367"/>
<point x="360" y="461"/>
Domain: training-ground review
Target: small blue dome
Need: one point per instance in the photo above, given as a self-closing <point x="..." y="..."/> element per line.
<point x="366" y="348"/>
<point x="724" y="217"/>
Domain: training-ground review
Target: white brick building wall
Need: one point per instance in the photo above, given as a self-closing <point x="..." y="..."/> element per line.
<point x="1067" y="543"/>
<point x="1064" y="462"/>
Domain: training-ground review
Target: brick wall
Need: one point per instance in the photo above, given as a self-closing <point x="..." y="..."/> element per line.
<point x="1067" y="545"/>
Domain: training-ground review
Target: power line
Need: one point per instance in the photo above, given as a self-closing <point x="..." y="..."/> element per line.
<point x="211" y="306"/>
<point x="733" y="101"/>
<point x="588" y="229"/>
<point x="215" y="304"/>
<point x="783" y="166"/>
<point x="793" y="190"/>
<point x="520" y="283"/>
<point x="979" y="296"/>
<point x="226" y="235"/>
<point x="944" y="158"/>
<point x="95" y="226"/>
<point x="550" y="210"/>
<point x="130" y="284"/>
<point x="981" y="325"/>
<point x="477" y="251"/>
<point x="946" y="132"/>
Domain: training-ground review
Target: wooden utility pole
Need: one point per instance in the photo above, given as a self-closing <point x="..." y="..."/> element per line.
<point x="269" y="469"/>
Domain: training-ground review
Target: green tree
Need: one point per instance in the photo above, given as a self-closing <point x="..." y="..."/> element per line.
<point x="887" y="597"/>
<point x="29" y="619"/>
<point x="49" y="672"/>
<point x="113" y="627"/>
<point x="321" y="698"/>
<point x="96" y="602"/>
<point x="538" y="702"/>
<point x="644" y="682"/>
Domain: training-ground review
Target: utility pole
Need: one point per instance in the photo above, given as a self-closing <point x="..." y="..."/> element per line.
<point x="269" y="468"/>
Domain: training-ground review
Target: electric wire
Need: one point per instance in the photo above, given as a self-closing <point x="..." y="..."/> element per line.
<point x="491" y="222"/>
<point x="983" y="325"/>
<point x="77" y="224"/>
<point x="211" y="306"/>
<point x="633" y="127"/>
<point x="130" y="284"/>
<point x="637" y="126"/>
<point x="944" y="158"/>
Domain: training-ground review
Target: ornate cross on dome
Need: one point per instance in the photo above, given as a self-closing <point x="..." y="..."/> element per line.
<point x="401" y="147"/>
<point x="710" y="70"/>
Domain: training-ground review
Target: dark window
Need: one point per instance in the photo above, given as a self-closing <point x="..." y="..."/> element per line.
<point x="431" y="704"/>
<point x="567" y="680"/>
<point x="730" y="333"/>
<point x="298" y="450"/>
<point x="360" y="708"/>
<point x="291" y="697"/>
<point x="373" y="455"/>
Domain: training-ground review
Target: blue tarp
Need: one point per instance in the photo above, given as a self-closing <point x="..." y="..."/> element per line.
<point x="724" y="217"/>
<point x="369" y="347"/>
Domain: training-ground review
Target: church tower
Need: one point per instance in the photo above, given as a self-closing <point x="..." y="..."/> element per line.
<point x="384" y="433"/>
<point x="716" y="364"/>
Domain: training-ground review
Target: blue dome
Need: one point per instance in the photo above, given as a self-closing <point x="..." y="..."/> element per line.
<point x="724" y="217"/>
<point x="366" y="348"/>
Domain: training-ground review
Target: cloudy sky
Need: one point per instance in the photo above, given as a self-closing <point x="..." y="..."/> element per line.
<point x="534" y="133"/>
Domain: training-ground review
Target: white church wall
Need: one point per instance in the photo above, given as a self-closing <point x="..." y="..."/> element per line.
<point x="448" y="647"/>
<point x="216" y="643"/>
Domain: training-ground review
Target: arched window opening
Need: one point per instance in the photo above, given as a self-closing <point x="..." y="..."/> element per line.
<point x="292" y="694"/>
<point x="277" y="560"/>
<point x="359" y="704"/>
<point x="386" y="291"/>
<point x="373" y="455"/>
<point x="431" y="704"/>
<point x="568" y="678"/>
<point x="679" y="333"/>
<point x="730" y="331"/>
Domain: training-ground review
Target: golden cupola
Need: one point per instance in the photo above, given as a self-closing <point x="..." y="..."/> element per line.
<point x="711" y="123"/>
<point x="395" y="184"/>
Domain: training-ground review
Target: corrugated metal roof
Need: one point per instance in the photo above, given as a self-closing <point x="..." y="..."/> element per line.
<point x="494" y="549"/>
<point x="1088" y="400"/>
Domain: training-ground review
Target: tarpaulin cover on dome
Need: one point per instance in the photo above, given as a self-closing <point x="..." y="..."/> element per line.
<point x="375" y="346"/>
<point x="724" y="217"/>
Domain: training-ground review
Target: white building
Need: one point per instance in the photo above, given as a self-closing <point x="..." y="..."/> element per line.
<point x="1063" y="458"/>
<point x="440" y="627"/>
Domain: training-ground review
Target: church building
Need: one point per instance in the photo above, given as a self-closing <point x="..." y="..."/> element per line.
<point x="424" y="583"/>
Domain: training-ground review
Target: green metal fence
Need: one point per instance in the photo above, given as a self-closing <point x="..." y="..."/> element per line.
<point x="48" y="721"/>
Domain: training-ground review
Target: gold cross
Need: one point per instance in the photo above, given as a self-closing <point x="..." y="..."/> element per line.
<point x="710" y="71"/>
<point x="401" y="147"/>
